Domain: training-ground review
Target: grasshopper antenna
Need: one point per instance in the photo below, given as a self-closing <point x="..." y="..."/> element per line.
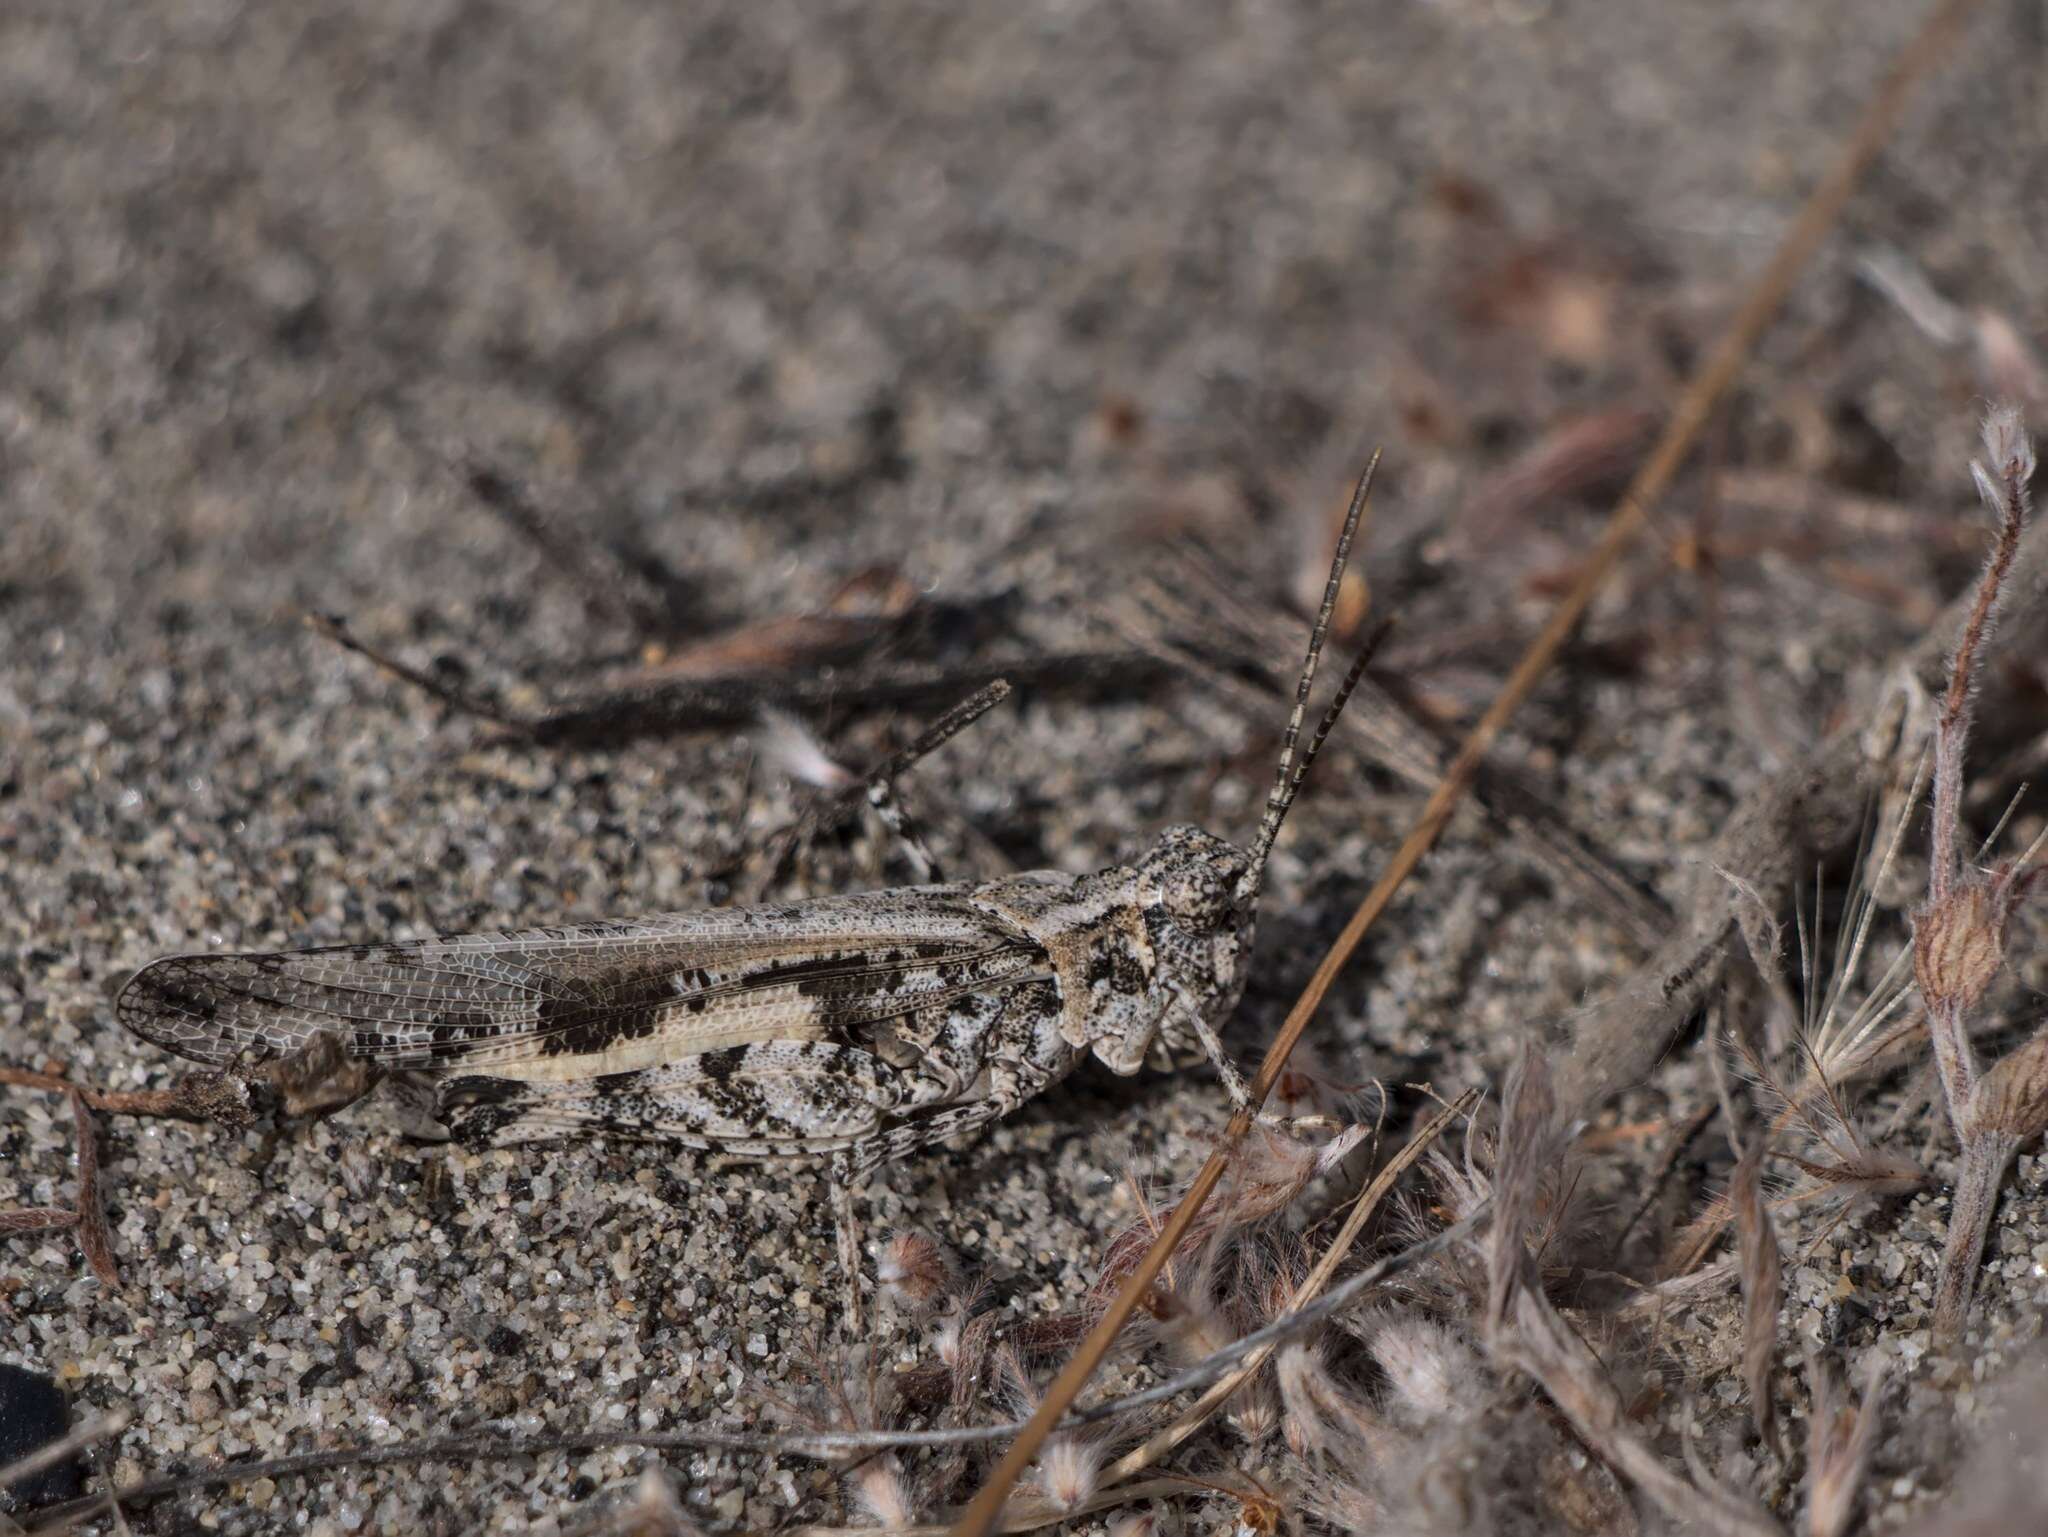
<point x="463" y="703"/>
<point x="1287" y="781"/>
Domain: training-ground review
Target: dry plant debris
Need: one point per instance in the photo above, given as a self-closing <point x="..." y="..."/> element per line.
<point x="1702" y="395"/>
<point x="1960" y="933"/>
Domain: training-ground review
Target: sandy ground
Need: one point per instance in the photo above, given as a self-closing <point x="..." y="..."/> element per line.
<point x="999" y="296"/>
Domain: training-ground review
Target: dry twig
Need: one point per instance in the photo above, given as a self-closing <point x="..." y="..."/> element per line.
<point x="87" y="1217"/>
<point x="1762" y="1273"/>
<point x="93" y="1236"/>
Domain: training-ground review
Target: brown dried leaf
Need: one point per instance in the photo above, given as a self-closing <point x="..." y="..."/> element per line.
<point x="1527" y="1142"/>
<point x="93" y="1236"/>
<point x="1762" y="1277"/>
<point x="1958" y="946"/>
<point x="2012" y="1096"/>
<point x="1839" y="1434"/>
<point x="1571" y="456"/>
<point x="37" y="1219"/>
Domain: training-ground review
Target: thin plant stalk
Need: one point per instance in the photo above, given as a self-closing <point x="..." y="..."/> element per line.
<point x="1959" y="934"/>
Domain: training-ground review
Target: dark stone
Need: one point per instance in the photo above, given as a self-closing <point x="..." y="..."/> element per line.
<point x="32" y="1415"/>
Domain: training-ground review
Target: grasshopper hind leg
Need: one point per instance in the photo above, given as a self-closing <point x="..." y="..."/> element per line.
<point x="846" y="1218"/>
<point x="852" y="1169"/>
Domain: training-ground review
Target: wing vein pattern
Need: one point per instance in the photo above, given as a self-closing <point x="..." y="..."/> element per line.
<point x="558" y="1002"/>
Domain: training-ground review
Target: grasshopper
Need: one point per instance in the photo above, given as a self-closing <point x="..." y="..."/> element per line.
<point x="858" y="1029"/>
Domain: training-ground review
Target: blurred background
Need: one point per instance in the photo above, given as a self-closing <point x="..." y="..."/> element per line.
<point x="776" y="291"/>
<point x="574" y="352"/>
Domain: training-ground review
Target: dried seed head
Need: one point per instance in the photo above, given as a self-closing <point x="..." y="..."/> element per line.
<point x="1069" y="1471"/>
<point x="654" y="1510"/>
<point x="1461" y="1189"/>
<point x="1270" y="1297"/>
<point x="1432" y="1373"/>
<point x="1186" y="1318"/>
<point x="1259" y="1513"/>
<point x="2012" y="1096"/>
<point x="1301" y="1373"/>
<point x="1345" y="1501"/>
<point x="1255" y="1412"/>
<point x="1320" y="1414"/>
<point x="2005" y="359"/>
<point x="1139" y="1523"/>
<point x="1308" y="1087"/>
<point x="946" y="1338"/>
<point x="1194" y="1331"/>
<point x="1011" y="1382"/>
<point x="788" y="746"/>
<point x="1958" y="946"/>
<point x="881" y="1491"/>
<point x="915" y="1271"/>
<point x="1274" y="1167"/>
<point x="2007" y="447"/>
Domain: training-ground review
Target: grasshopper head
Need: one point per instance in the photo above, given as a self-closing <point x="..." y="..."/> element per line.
<point x="1198" y="896"/>
<point x="1199" y="912"/>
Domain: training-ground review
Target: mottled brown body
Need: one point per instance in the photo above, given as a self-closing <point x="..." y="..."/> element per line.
<point x="862" y="1026"/>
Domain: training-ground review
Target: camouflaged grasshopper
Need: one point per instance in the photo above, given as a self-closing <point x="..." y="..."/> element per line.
<point x="854" y="1028"/>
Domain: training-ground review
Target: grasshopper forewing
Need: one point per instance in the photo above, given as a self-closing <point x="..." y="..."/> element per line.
<point x="856" y="1028"/>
